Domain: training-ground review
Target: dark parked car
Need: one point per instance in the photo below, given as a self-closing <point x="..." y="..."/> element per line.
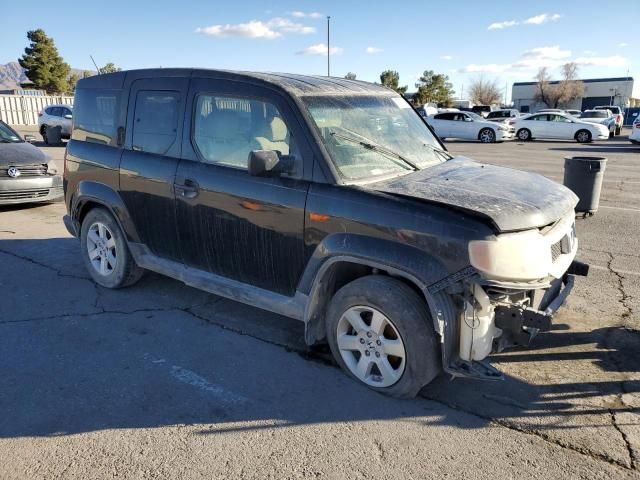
<point x="25" y="172"/>
<point x="322" y="199"/>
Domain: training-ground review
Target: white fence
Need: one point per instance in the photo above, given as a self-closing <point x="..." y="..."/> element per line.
<point x="24" y="109"/>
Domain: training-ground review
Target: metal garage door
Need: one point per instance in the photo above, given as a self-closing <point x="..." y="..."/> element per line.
<point x="590" y="102"/>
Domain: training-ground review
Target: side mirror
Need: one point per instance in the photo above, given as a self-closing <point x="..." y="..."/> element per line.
<point x="68" y="116"/>
<point x="29" y="138"/>
<point x="267" y="163"/>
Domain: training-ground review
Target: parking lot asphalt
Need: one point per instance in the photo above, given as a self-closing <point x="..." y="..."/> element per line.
<point x="162" y="380"/>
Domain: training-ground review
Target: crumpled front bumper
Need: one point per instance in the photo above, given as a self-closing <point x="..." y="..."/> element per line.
<point x="43" y="188"/>
<point x="521" y="321"/>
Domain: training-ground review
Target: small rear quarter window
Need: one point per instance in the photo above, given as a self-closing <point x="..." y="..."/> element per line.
<point x="95" y="115"/>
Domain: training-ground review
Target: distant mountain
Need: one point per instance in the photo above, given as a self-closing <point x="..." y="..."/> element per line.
<point x="12" y="74"/>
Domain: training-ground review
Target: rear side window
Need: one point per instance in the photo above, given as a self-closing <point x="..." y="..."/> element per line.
<point x="155" y="123"/>
<point x="444" y="116"/>
<point x="95" y="115"/>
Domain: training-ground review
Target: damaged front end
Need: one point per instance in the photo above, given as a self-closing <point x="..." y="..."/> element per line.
<point x="518" y="283"/>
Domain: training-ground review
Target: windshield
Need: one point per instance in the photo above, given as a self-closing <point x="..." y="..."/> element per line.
<point x="373" y="136"/>
<point x="598" y="114"/>
<point x="7" y="135"/>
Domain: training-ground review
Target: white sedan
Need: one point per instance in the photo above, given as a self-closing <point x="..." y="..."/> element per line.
<point x="558" y="126"/>
<point x="469" y="126"/>
<point x="634" y="136"/>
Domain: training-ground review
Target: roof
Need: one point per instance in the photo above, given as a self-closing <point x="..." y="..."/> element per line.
<point x="292" y="83"/>
<point x="587" y="80"/>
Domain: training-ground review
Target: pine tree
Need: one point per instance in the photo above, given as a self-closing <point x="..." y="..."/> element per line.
<point x="43" y="65"/>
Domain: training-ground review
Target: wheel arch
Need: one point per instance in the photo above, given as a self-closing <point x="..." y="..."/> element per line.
<point x="342" y="258"/>
<point x="90" y="195"/>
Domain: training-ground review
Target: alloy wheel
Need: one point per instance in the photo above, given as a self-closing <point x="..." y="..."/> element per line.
<point x="101" y="246"/>
<point x="371" y="346"/>
<point x="487" y="136"/>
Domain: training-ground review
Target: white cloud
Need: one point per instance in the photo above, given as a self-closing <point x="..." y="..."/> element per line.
<point x="446" y="57"/>
<point x="536" y="20"/>
<point x="612" y="61"/>
<point x="252" y="29"/>
<point x="623" y="44"/>
<point x="268" y="30"/>
<point x="550" y="57"/>
<point x="501" y="25"/>
<point x="287" y="26"/>
<point x="372" y="50"/>
<point x="299" y="14"/>
<point x="319" y="49"/>
<point x="543" y="18"/>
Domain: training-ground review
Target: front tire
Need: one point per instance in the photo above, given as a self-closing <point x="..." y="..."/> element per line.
<point x="105" y="251"/>
<point x="618" y="130"/>
<point x="524" y="135"/>
<point x="583" y="136"/>
<point x="43" y="133"/>
<point x="381" y="334"/>
<point x="487" y="135"/>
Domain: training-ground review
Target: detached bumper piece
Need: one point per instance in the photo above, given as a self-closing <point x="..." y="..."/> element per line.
<point x="523" y="323"/>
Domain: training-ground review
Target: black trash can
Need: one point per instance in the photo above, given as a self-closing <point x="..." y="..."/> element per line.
<point x="53" y="135"/>
<point x="584" y="176"/>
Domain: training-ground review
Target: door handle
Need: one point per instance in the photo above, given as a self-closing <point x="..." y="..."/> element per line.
<point x="187" y="189"/>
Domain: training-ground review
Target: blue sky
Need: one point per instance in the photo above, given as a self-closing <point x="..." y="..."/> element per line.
<point x="465" y="39"/>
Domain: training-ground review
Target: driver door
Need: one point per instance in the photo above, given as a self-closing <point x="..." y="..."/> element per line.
<point x="230" y="223"/>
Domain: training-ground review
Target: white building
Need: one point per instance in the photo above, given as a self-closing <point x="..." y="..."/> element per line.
<point x="597" y="91"/>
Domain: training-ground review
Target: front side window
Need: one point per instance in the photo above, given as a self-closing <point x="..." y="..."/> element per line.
<point x="373" y="136"/>
<point x="96" y="113"/>
<point x="155" y="122"/>
<point x="227" y="129"/>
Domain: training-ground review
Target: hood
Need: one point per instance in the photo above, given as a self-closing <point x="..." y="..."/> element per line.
<point x="23" y="153"/>
<point x="510" y="199"/>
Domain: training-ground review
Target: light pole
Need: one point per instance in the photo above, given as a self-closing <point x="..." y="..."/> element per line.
<point x="328" y="46"/>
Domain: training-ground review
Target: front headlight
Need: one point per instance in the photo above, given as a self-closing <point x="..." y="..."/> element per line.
<point x="512" y="256"/>
<point x="502" y="128"/>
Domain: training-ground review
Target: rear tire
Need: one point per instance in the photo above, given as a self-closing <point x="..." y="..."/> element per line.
<point x="524" y="135"/>
<point x="381" y="334"/>
<point x="583" y="136"/>
<point x="43" y="133"/>
<point x="105" y="251"/>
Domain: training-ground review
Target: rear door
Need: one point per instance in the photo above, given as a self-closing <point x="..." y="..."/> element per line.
<point x="152" y="150"/>
<point x="442" y="124"/>
<point x="233" y="224"/>
<point x="538" y="125"/>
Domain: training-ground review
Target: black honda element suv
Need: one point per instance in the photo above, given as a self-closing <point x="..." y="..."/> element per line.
<point x="326" y="200"/>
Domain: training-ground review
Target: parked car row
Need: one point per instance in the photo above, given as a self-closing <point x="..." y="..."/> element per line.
<point x="506" y="124"/>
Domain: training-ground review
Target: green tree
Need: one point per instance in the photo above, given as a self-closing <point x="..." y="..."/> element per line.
<point x="43" y="65"/>
<point x="391" y="79"/>
<point x="350" y="76"/>
<point x="73" y="80"/>
<point x="434" y="88"/>
<point x="109" y="68"/>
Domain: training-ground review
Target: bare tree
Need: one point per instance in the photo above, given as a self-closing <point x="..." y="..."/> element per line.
<point x="562" y="92"/>
<point x="485" y="92"/>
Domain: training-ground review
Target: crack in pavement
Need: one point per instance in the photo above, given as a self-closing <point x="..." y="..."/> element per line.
<point x="625" y="438"/>
<point x="311" y="355"/>
<point x="624" y="301"/>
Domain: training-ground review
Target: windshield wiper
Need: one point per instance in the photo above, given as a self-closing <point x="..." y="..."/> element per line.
<point x="443" y="153"/>
<point x="369" y="145"/>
